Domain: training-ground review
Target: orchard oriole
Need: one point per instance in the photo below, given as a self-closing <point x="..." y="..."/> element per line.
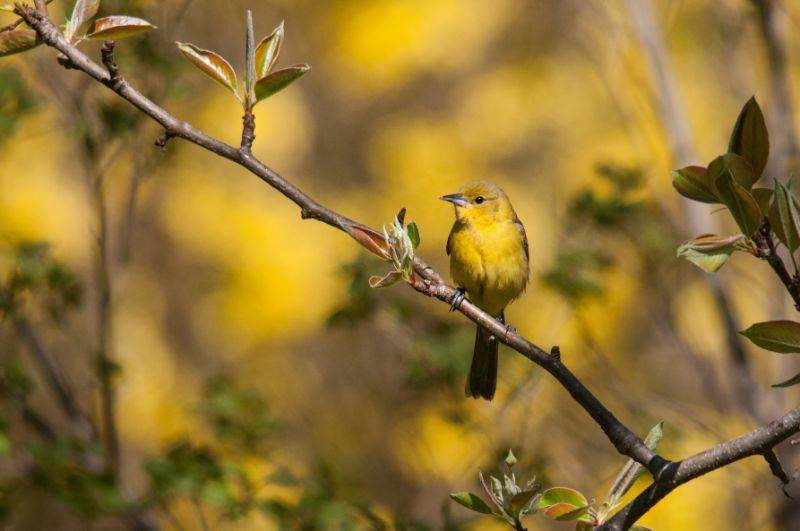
<point x="488" y="252"/>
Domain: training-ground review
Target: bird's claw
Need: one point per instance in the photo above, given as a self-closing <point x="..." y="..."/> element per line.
<point x="457" y="299"/>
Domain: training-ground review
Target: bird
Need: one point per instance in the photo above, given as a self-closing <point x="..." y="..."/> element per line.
<point x="489" y="261"/>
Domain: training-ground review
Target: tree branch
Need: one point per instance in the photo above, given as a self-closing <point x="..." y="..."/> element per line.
<point x="760" y="441"/>
<point x="767" y="251"/>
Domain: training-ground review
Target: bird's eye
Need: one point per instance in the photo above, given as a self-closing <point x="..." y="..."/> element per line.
<point x="478" y="200"/>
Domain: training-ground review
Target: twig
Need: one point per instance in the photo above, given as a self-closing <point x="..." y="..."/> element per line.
<point x="767" y="251"/>
<point x="777" y="470"/>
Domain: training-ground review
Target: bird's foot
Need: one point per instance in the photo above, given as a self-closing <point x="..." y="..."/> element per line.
<point x="458" y="298"/>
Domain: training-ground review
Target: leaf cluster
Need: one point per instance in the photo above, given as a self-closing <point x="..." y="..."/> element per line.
<point x="761" y="214"/>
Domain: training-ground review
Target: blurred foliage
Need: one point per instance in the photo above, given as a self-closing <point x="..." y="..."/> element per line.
<point x="342" y="407"/>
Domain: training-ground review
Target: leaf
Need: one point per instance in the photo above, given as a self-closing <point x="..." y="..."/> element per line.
<point x="777" y="336"/>
<point x="18" y="40"/>
<point x="692" y="182"/>
<point x="741" y="170"/>
<point x="370" y="239"/>
<point x="521" y="500"/>
<point x="471" y="501"/>
<point x="83" y="11"/>
<point x="212" y="65"/>
<point x="794" y="380"/>
<point x="279" y="80"/>
<point x="390" y="279"/>
<point x="413" y="234"/>
<point x="763" y="197"/>
<point x="750" y="138"/>
<point x="556" y="495"/>
<point x="267" y="52"/>
<point x="788" y="217"/>
<point x="565" y="512"/>
<point x="740" y="203"/>
<point x="250" y="62"/>
<point x="118" y="27"/>
<point x="710" y="252"/>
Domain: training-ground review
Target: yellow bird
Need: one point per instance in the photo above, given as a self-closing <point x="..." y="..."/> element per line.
<point x="488" y="252"/>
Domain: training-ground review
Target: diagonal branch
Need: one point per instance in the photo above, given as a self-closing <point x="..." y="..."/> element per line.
<point x="432" y="284"/>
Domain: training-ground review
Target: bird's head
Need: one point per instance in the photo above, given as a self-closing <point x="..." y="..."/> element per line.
<point x="481" y="201"/>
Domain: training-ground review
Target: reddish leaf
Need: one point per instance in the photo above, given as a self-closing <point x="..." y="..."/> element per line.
<point x="279" y="80"/>
<point x="742" y="206"/>
<point x="740" y="169"/>
<point x="267" y="52"/>
<point x="18" y="40"/>
<point x="794" y="380"/>
<point x="211" y="64"/>
<point x="118" y="27"/>
<point x="372" y="240"/>
<point x="565" y="511"/>
<point x="390" y="279"/>
<point x="83" y="11"/>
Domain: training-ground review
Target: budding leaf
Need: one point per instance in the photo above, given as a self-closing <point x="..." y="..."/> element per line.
<point x="777" y="336"/>
<point x="211" y="64"/>
<point x="250" y="62"/>
<point x="740" y="203"/>
<point x="750" y="138"/>
<point x="391" y="278"/>
<point x="18" y="40"/>
<point x="693" y="182"/>
<point x="632" y="470"/>
<point x="413" y="234"/>
<point x="118" y="27"/>
<point x="471" y="501"/>
<point x="710" y="252"/>
<point x="83" y="11"/>
<point x="794" y="380"/>
<point x="372" y="240"/>
<point x="267" y="52"/>
<point x="562" y="497"/>
<point x="279" y="80"/>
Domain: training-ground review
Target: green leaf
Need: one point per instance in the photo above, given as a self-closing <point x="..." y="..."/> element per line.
<point x="777" y="336"/>
<point x="413" y="234"/>
<point x="390" y="279"/>
<point x="693" y="182"/>
<point x="740" y="203"/>
<point x="83" y="11"/>
<point x="267" y="52"/>
<point x="250" y="62"/>
<point x="787" y="224"/>
<point x="279" y="80"/>
<point x="118" y="27"/>
<point x="471" y="501"/>
<point x="763" y="197"/>
<point x="556" y="495"/>
<point x="741" y="170"/>
<point x="520" y="501"/>
<point x="794" y="380"/>
<point x="212" y="65"/>
<point x="750" y="138"/>
<point x="654" y="436"/>
<point x="710" y="252"/>
<point x="18" y="40"/>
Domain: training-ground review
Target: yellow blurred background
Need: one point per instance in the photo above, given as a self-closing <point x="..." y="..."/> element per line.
<point x="213" y="272"/>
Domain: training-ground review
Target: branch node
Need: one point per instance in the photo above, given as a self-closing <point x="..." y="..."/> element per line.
<point x="304" y="213"/>
<point x="162" y="140"/>
<point x="555" y="352"/>
<point x="107" y="53"/>
<point x="248" y="131"/>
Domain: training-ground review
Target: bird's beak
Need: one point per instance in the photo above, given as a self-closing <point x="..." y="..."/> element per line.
<point x="457" y="199"/>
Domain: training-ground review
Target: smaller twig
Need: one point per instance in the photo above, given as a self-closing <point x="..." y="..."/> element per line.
<point x="555" y="351"/>
<point x="107" y="53"/>
<point x="777" y="470"/>
<point x="768" y="252"/>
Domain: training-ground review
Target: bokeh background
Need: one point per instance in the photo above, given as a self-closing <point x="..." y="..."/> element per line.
<point x="229" y="312"/>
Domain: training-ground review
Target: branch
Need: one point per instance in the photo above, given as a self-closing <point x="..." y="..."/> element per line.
<point x="623" y="439"/>
<point x="760" y="441"/>
<point x="767" y="251"/>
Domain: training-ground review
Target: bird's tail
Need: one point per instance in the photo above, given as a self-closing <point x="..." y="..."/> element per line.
<point x="482" y="379"/>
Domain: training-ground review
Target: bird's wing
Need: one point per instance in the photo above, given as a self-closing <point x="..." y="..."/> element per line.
<point x="456" y="226"/>
<point x="521" y="230"/>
